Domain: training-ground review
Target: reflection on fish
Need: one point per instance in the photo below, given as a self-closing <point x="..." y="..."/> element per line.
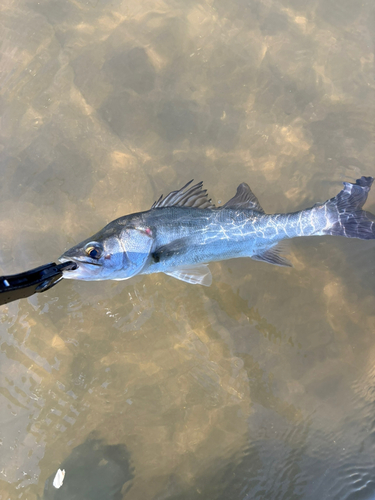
<point x="182" y="232"/>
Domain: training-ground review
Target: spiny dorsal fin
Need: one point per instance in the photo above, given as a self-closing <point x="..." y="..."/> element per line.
<point x="273" y="256"/>
<point x="195" y="196"/>
<point x="244" y="198"/>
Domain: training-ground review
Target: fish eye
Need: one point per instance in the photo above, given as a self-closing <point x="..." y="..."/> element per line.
<point x="94" y="250"/>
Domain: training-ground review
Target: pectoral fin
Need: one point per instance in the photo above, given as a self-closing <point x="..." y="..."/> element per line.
<point x="175" y="247"/>
<point x="273" y="256"/>
<point x="196" y="275"/>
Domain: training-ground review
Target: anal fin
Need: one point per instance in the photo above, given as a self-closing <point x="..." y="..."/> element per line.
<point x="196" y="275"/>
<point x="273" y="256"/>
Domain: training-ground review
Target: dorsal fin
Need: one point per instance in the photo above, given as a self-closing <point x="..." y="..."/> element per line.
<point x="244" y="198"/>
<point x="195" y="196"/>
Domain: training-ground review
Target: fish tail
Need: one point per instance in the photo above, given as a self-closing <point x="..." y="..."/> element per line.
<point x="345" y="214"/>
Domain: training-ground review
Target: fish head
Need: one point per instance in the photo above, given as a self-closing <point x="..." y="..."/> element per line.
<point x="110" y="254"/>
<point x="96" y="259"/>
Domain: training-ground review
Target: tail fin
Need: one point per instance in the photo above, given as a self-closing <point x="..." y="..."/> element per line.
<point x="351" y="221"/>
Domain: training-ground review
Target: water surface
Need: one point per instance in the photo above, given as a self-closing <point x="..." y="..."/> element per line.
<point x="259" y="387"/>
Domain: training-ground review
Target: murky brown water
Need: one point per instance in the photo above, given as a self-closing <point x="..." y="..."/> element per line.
<point x="261" y="386"/>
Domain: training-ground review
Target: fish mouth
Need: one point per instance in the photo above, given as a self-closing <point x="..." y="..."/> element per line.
<point x="67" y="265"/>
<point x="82" y="270"/>
<point x="78" y="261"/>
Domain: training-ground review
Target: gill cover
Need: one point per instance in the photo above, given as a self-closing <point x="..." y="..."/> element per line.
<point x="137" y="245"/>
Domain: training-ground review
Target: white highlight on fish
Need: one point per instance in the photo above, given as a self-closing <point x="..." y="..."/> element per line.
<point x="59" y="479"/>
<point x="184" y="231"/>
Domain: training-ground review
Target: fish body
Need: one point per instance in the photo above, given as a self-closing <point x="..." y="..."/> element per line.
<point x="183" y="232"/>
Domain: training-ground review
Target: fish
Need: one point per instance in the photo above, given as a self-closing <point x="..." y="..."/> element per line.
<point x="184" y="231"/>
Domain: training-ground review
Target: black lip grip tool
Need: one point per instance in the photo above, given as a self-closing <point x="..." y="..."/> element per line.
<point x="40" y="279"/>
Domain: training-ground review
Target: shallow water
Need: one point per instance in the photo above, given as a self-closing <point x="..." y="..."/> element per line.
<point x="261" y="386"/>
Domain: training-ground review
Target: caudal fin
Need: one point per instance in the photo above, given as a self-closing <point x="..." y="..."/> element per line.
<point x="345" y="211"/>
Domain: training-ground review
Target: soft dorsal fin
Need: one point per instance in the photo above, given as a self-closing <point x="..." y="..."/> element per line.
<point x="244" y="198"/>
<point x="195" y="196"/>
